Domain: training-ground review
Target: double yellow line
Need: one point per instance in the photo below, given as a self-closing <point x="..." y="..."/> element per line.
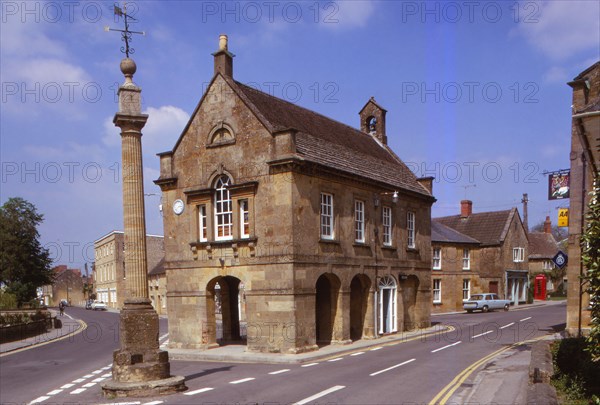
<point x="444" y="395"/>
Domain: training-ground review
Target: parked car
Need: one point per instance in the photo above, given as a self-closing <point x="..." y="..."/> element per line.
<point x="485" y="303"/>
<point x="99" y="305"/>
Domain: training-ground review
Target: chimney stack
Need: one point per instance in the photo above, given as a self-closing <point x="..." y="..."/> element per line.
<point x="466" y="208"/>
<point x="547" y="225"/>
<point x="223" y="58"/>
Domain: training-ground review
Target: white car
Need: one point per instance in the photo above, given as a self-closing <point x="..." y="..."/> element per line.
<point x="98" y="305"/>
<point x="485" y="303"/>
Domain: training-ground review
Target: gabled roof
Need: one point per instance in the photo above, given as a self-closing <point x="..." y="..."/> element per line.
<point x="330" y="143"/>
<point x="586" y="71"/>
<point x="443" y="234"/>
<point x="490" y="228"/>
<point x="542" y="245"/>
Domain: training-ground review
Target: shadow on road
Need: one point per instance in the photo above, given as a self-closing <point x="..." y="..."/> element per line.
<point x="207" y="372"/>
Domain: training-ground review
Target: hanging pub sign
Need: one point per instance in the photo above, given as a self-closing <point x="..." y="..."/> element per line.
<point x="558" y="185"/>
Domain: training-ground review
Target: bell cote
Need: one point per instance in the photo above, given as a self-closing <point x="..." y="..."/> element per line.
<point x="372" y="120"/>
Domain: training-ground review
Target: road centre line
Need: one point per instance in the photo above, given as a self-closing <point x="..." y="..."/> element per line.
<point x="201" y="390"/>
<point x="336" y="359"/>
<point x="153" y="403"/>
<point x="79" y="380"/>
<point x="106" y="375"/>
<point x="88" y="385"/>
<point x="309" y="365"/>
<point x="357" y="354"/>
<point x="285" y="370"/>
<point x="481" y="334"/>
<point x="522" y="320"/>
<point x="320" y="394"/>
<point x="506" y="326"/>
<point x="99" y="379"/>
<point x="376" y="348"/>
<point x="445" y="347"/>
<point x="78" y="391"/>
<point x="67" y="386"/>
<point x="54" y="392"/>
<point x="391" y="368"/>
<point x="88" y="376"/>
<point x="97" y="371"/>
<point x="243" y="380"/>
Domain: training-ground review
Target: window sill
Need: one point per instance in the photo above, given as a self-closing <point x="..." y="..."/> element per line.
<point x="437" y="303"/>
<point x="329" y="241"/>
<point x="390" y="248"/>
<point x="436" y="269"/>
<point x="361" y="244"/>
<point x="412" y="249"/>
<point x="223" y="242"/>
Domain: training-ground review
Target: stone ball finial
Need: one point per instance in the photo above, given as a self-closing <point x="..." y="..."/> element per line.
<point x="128" y="67"/>
<point x="222" y="42"/>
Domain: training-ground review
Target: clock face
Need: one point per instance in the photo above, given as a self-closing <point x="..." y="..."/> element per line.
<point x="178" y="207"/>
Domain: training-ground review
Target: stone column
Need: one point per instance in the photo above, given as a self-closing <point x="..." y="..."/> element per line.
<point x="139" y="368"/>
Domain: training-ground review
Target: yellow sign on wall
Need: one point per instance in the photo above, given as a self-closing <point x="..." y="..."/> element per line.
<point x="563" y="217"/>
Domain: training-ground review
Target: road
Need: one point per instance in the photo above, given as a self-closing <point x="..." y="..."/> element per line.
<point x="412" y="371"/>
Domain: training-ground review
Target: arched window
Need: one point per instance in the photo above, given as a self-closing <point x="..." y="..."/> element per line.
<point x="223" y="213"/>
<point x="387" y="305"/>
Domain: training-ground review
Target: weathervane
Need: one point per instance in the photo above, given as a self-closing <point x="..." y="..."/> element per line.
<point x="126" y="33"/>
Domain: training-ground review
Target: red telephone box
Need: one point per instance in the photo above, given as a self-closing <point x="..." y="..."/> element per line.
<point x="539" y="287"/>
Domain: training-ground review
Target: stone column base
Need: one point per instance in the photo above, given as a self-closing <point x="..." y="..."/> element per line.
<point x="165" y="386"/>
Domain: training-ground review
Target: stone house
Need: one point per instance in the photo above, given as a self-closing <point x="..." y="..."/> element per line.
<point x="542" y="249"/>
<point x="68" y="285"/>
<point x="455" y="268"/>
<point x="501" y="259"/>
<point x="157" y="287"/>
<point x="109" y="266"/>
<point x="585" y="166"/>
<point x="315" y="231"/>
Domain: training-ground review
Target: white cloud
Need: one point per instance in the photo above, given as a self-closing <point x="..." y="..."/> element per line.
<point x="160" y="133"/>
<point x="561" y="29"/>
<point x="348" y="14"/>
<point x="556" y="75"/>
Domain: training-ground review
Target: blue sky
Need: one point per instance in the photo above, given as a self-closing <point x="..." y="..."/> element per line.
<point x="475" y="91"/>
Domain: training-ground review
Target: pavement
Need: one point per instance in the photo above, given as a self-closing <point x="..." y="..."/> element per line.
<point x="69" y="327"/>
<point x="512" y="377"/>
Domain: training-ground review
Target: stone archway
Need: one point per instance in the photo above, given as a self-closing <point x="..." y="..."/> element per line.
<point x="359" y="296"/>
<point x="326" y="308"/>
<point x="224" y="309"/>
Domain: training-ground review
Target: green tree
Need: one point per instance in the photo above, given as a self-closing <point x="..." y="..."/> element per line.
<point x="24" y="263"/>
<point x="590" y="256"/>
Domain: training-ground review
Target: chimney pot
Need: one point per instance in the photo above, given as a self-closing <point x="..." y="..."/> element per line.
<point x="466" y="208"/>
<point x="547" y="225"/>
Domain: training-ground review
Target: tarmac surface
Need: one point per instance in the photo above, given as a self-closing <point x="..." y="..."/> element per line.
<point x="503" y="379"/>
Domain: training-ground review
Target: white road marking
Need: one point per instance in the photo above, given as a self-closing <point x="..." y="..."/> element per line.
<point x="357" y="354"/>
<point x="99" y="379"/>
<point x="106" y="368"/>
<point x="522" y="320"/>
<point x="106" y="375"/>
<point x="97" y="371"/>
<point x="376" y="348"/>
<point x="285" y="370"/>
<point x="54" y="392"/>
<point x="67" y="386"/>
<point x="309" y="365"/>
<point x="78" y="391"/>
<point x="88" y="385"/>
<point x="506" y="326"/>
<point x="481" y="334"/>
<point x="79" y="380"/>
<point x="88" y="376"/>
<point x="320" y="394"/>
<point x="445" y="347"/>
<point x="336" y="359"/>
<point x="391" y="368"/>
<point x="201" y="390"/>
<point x="38" y="400"/>
<point x="153" y="403"/>
<point x="243" y="380"/>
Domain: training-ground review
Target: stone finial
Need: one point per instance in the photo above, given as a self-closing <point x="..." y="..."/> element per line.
<point x="222" y="42"/>
<point x="128" y="67"/>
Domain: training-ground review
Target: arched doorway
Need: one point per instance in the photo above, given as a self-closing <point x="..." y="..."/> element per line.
<point x="326" y="299"/>
<point x="359" y="295"/>
<point x="387" y="306"/>
<point x="224" y="309"/>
